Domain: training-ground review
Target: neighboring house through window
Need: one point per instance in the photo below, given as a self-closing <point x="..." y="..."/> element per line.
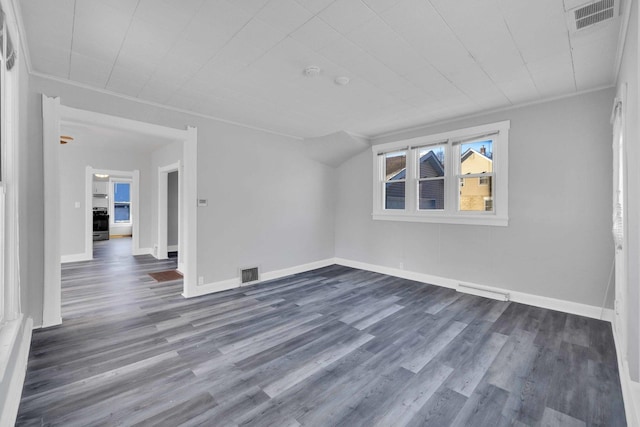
<point x="453" y="177"/>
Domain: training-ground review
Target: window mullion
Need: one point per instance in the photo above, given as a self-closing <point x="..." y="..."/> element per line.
<point x="450" y="174"/>
<point x="411" y="184"/>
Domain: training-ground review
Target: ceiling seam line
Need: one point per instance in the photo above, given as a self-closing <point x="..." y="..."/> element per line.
<point x="73" y="33"/>
<point x="170" y="47"/>
<point x="133" y="14"/>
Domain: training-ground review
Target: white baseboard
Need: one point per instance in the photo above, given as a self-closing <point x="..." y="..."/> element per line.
<point x="76" y="258"/>
<point x="630" y="388"/>
<point x="172" y="248"/>
<point x="233" y="283"/>
<point x="142" y="251"/>
<point x="15" y="351"/>
<point x="520" y="297"/>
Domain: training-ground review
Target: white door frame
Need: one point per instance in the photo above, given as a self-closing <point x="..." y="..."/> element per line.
<point x="53" y="114"/>
<point x="163" y="189"/>
<point x="620" y="213"/>
<point x="52" y="298"/>
<point x="134" y="176"/>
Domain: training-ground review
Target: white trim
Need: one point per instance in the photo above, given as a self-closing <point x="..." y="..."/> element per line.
<point x="172" y="248"/>
<point x="88" y="214"/>
<point x="622" y="38"/>
<point x="53" y="115"/>
<point x="424" y="127"/>
<point x="75" y="258"/>
<point x="451" y="213"/>
<point x="15" y="340"/>
<point x="16" y="12"/>
<point x="158" y="105"/>
<point x="478" y="219"/>
<point x="135" y="214"/>
<point x="52" y="298"/>
<point x="630" y="389"/>
<point x="234" y="283"/>
<point x="515" y="296"/>
<point x="189" y="204"/>
<point x="143" y="251"/>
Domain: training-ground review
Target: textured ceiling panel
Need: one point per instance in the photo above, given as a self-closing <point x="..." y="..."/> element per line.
<point x="410" y="62"/>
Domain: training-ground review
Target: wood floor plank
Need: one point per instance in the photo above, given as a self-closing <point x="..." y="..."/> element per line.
<point x="333" y="346"/>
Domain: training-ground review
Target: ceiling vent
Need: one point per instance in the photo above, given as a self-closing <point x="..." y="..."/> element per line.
<point x="590" y="14"/>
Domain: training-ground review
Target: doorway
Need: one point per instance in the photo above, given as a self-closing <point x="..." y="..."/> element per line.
<point x="121" y="210"/>
<point x="54" y="114"/>
<point x="170" y="213"/>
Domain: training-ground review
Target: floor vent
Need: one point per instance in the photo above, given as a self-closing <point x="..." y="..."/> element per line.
<point x="249" y="275"/>
<point x="593" y="13"/>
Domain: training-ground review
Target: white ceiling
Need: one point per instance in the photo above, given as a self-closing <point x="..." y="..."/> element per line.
<point x="410" y="62"/>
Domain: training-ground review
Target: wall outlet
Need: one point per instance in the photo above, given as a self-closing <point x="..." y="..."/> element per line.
<point x="77" y="205"/>
<point x="200" y="280"/>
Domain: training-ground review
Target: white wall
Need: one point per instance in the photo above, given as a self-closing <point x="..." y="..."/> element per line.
<point x="269" y="204"/>
<point x="629" y="76"/>
<point x="558" y="243"/>
<point x="74" y="158"/>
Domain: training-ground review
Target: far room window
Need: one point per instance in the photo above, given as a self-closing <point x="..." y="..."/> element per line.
<point x="121" y="202"/>
<point x="457" y="177"/>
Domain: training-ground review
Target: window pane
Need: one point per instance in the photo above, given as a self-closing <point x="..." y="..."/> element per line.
<point x="431" y="161"/>
<point x="473" y="194"/>
<point x="476" y="157"/>
<point x="121" y="192"/>
<point x="431" y="194"/>
<point x="395" y="166"/>
<point x="121" y="212"/>
<point x="394" y="195"/>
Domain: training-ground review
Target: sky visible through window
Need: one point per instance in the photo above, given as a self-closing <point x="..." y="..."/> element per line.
<point x="477" y="146"/>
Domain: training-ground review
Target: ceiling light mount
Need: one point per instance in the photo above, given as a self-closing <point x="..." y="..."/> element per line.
<point x="342" y="80"/>
<point x="312" y="71"/>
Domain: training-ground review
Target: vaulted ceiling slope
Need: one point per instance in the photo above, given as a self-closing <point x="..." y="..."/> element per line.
<point x="409" y="62"/>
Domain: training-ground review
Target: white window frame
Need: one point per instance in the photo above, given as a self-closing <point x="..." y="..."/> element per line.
<point x="112" y="202"/>
<point x="451" y="214"/>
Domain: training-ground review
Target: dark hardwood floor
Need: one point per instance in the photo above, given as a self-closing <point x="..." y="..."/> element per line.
<point x="334" y="346"/>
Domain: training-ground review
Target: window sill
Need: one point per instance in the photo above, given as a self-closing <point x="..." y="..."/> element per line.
<point x="491" y="220"/>
<point x="8" y="338"/>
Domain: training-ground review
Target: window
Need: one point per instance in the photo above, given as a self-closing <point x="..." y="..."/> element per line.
<point x="488" y="203"/>
<point x="395" y="165"/>
<point x="454" y="177"/>
<point x="121" y="202"/>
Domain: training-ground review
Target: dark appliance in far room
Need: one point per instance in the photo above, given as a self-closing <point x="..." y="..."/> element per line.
<point x="100" y="224"/>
